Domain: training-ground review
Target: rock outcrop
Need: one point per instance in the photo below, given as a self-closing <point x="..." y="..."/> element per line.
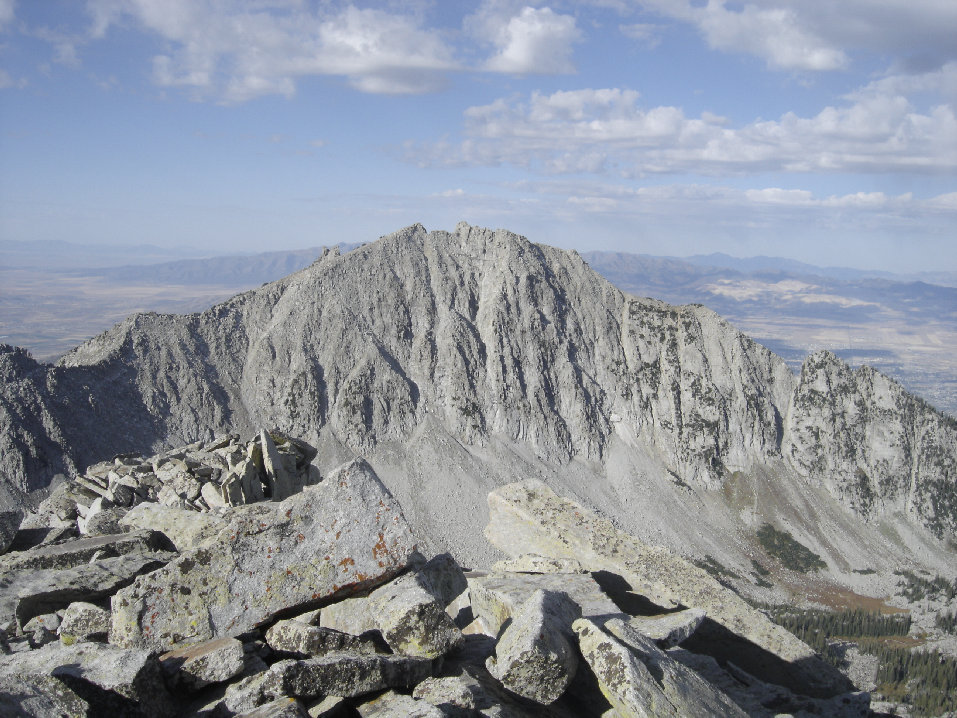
<point x="318" y="604"/>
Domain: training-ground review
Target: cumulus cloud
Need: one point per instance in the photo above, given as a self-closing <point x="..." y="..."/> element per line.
<point x="242" y="50"/>
<point x="608" y="131"/>
<point x="533" y="41"/>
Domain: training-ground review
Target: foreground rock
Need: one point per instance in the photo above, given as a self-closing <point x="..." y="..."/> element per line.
<point x="529" y="516"/>
<point x="108" y="678"/>
<point x="533" y="657"/>
<point x="25" y="594"/>
<point x="319" y="605"/>
<point x="342" y="536"/>
<point x="639" y="679"/>
<point x="409" y="613"/>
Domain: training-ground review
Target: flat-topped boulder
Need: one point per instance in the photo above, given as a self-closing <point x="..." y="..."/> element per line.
<point x="341" y="536"/>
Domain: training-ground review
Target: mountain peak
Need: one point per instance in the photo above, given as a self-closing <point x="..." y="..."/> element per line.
<point x="456" y="361"/>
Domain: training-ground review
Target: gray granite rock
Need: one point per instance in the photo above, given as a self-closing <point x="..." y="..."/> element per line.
<point x="198" y="665"/>
<point x="344" y="535"/>
<point x="108" y="677"/>
<point x="529" y="516"/>
<point x="397" y="705"/>
<point x="278" y="708"/>
<point x="84" y="622"/>
<point x="27" y="593"/>
<point x="42" y="629"/>
<point x="79" y="551"/>
<point x="410" y="618"/>
<point x="534" y="656"/>
<point x="345" y="674"/>
<point x="296" y="639"/>
<point x="185" y="529"/>
<point x="639" y="679"/>
<point x="37" y="696"/>
<point x="497" y="596"/>
<point x="533" y="563"/>
<point x="669" y="629"/>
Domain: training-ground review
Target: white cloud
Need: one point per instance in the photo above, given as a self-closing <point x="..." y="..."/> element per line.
<point x="242" y="50"/>
<point x="820" y="34"/>
<point x="608" y="131"/>
<point x="534" y="41"/>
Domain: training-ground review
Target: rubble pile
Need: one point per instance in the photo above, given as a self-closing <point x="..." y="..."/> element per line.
<point x="296" y="596"/>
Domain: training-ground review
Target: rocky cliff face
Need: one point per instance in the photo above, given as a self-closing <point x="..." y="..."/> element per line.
<point x="483" y="340"/>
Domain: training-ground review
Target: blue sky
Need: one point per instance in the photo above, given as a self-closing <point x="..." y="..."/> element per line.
<point x="819" y="130"/>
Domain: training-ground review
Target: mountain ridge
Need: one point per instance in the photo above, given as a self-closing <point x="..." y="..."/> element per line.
<point x="456" y="360"/>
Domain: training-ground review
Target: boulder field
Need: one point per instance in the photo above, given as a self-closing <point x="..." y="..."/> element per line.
<point x="226" y="579"/>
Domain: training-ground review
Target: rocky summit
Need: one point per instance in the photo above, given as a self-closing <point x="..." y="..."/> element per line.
<point x="319" y="604"/>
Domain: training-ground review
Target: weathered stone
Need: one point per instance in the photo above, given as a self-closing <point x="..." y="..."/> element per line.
<point x="213" y="495"/>
<point x="84" y="622"/>
<point x="668" y="629"/>
<point x="329" y="707"/>
<point x="246" y="694"/>
<point x="37" y="696"/>
<point x="639" y="679"/>
<point x="295" y="639"/>
<point x="534" y="657"/>
<point x="25" y="593"/>
<point x="529" y="516"/>
<point x="232" y="490"/>
<point x="278" y="708"/>
<point x="200" y="664"/>
<point x="9" y="525"/>
<point x="473" y="692"/>
<point x="252" y="484"/>
<point x="497" y="596"/>
<point x="533" y="563"/>
<point x="345" y="674"/>
<point x="443" y="578"/>
<point x="101" y="673"/>
<point x="409" y="617"/>
<point x="281" y="483"/>
<point x="396" y="705"/>
<point x="80" y="551"/>
<point x="104" y="522"/>
<point x="345" y="535"/>
<point x="185" y="529"/>
<point x="42" y="629"/>
<point x="120" y="494"/>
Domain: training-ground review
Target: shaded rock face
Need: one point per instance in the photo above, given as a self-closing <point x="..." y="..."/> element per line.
<point x="496" y="339"/>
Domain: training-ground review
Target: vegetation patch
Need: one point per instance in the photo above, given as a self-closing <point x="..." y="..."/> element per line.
<point x="791" y="553"/>
<point x="914" y="587"/>
<point x="946" y="622"/>
<point x="926" y="680"/>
